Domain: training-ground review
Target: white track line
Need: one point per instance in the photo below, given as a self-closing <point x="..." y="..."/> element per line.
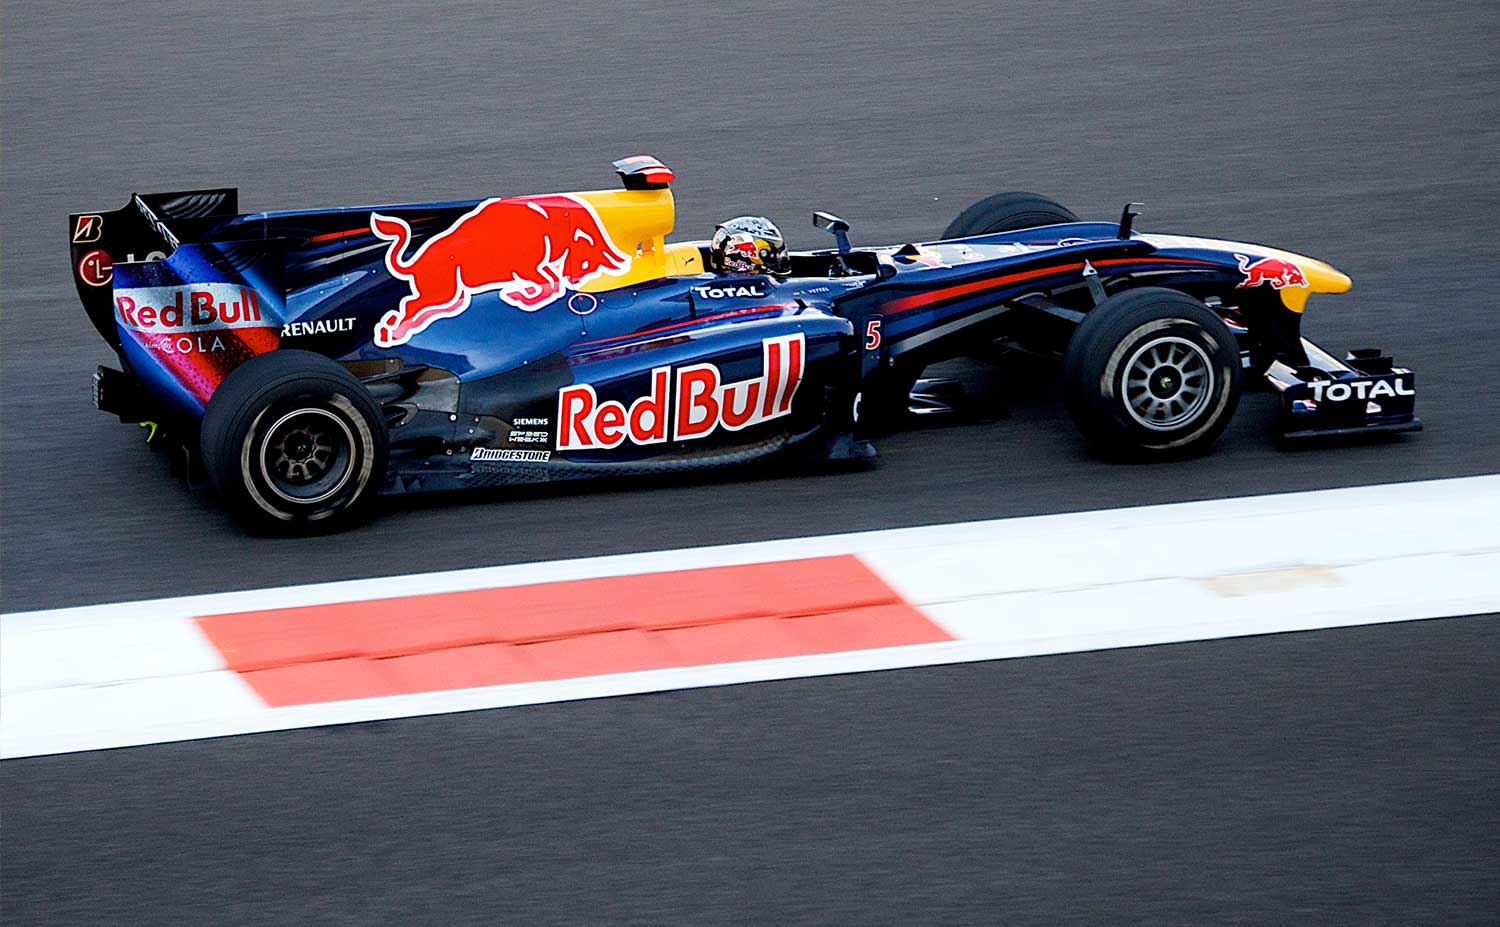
<point x="141" y="672"/>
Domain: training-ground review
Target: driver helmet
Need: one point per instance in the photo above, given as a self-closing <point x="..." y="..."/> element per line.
<point x="749" y="245"/>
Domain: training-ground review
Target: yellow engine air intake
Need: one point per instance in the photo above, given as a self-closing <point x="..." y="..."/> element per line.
<point x="638" y="222"/>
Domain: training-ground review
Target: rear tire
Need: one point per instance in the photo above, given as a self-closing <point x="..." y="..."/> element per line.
<point x="1008" y="212"/>
<point x="294" y="444"/>
<point x="1151" y="373"/>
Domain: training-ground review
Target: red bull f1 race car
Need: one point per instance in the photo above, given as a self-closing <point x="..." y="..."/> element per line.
<point x="308" y="361"/>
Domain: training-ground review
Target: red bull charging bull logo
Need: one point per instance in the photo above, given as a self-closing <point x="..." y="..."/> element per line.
<point x="530" y="249"/>
<point x="1270" y="270"/>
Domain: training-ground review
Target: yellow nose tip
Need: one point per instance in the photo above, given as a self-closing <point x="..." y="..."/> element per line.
<point x="1321" y="278"/>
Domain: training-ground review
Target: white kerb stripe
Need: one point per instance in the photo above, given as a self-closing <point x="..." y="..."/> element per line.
<point x="141" y="672"/>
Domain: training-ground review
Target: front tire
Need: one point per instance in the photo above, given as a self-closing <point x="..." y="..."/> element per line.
<point x="1008" y="212"/>
<point x="1152" y="373"/>
<point x="294" y="444"/>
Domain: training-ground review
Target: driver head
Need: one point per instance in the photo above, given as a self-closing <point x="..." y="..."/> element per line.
<point x="749" y="245"/>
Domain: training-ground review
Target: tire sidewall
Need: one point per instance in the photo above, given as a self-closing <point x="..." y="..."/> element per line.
<point x="252" y="479"/>
<point x="238" y="424"/>
<point x="1097" y="367"/>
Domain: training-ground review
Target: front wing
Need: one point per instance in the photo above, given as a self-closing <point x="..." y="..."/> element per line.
<point x="1362" y="394"/>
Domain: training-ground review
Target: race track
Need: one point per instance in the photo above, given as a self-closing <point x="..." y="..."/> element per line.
<point x="1332" y="776"/>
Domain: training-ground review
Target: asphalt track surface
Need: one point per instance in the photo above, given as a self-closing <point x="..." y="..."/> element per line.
<point x="1344" y="776"/>
<point x="1298" y="779"/>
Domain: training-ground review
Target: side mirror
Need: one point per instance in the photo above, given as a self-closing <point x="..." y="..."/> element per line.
<point x="829" y="222"/>
<point x="840" y="229"/>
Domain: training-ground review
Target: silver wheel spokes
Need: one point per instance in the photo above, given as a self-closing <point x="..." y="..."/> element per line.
<point x="1168" y="382"/>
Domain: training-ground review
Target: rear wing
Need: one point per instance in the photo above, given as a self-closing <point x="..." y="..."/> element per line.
<point x="148" y="228"/>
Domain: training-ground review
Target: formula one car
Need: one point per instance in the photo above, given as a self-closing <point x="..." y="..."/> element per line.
<point x="308" y="361"/>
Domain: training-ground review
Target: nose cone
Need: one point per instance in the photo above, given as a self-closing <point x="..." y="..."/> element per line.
<point x="1321" y="278"/>
<point x="1324" y="278"/>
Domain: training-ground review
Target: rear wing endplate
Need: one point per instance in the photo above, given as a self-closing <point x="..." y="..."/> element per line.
<point x="148" y="228"/>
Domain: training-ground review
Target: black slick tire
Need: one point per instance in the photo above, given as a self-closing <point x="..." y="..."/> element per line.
<point x="294" y="444"/>
<point x="1008" y="212"/>
<point x="1151" y="373"/>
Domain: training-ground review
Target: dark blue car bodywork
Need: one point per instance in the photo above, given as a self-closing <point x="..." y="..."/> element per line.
<point x="475" y="399"/>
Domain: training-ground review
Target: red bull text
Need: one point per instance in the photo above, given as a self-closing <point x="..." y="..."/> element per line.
<point x="200" y="331"/>
<point x="529" y="249"/>
<point x="703" y="403"/>
<point x="162" y="310"/>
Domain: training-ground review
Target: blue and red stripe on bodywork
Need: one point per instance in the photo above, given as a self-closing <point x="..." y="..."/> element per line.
<point x="906" y="312"/>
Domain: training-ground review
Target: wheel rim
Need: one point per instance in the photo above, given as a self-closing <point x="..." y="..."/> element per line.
<point x="306" y="455"/>
<point x="1168" y="383"/>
